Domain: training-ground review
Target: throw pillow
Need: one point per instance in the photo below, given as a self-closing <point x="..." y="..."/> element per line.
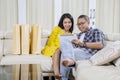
<point x="107" y="54"/>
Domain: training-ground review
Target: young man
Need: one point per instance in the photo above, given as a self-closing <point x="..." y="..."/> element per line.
<point x="88" y="43"/>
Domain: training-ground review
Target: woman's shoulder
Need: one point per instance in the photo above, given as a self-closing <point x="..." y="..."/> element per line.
<point x="57" y="28"/>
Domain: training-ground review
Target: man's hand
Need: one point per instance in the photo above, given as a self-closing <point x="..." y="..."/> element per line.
<point x="77" y="42"/>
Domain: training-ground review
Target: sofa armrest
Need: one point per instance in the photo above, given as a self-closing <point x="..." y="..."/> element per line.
<point x="86" y="71"/>
<point x="83" y="63"/>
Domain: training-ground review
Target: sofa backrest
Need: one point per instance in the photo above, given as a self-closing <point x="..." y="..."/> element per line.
<point x="1" y="44"/>
<point x="111" y="37"/>
<point x="8" y="41"/>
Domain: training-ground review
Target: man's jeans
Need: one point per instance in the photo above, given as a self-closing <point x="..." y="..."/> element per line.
<point x="68" y="51"/>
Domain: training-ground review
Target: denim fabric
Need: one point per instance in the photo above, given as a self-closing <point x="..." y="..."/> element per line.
<point x="68" y="51"/>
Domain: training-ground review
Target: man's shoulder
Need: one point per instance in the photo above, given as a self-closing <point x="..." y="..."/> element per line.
<point x="96" y="30"/>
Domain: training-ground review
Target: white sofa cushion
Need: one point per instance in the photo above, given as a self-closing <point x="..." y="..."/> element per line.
<point x="1" y="49"/>
<point x="86" y="71"/>
<point x="1" y="34"/>
<point x="45" y="33"/>
<point x="8" y="46"/>
<point x="1" y="44"/>
<point x="8" y="34"/>
<point x="107" y="54"/>
<point x="112" y="36"/>
<point x="8" y="43"/>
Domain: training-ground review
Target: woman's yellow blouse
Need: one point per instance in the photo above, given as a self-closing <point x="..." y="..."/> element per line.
<point x="53" y="42"/>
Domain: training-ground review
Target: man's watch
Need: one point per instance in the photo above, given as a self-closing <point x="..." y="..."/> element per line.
<point x="84" y="44"/>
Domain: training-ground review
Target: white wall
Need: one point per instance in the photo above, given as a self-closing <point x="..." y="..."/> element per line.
<point x="8" y="14"/>
<point x="43" y="12"/>
<point x="108" y="15"/>
<point x="76" y="8"/>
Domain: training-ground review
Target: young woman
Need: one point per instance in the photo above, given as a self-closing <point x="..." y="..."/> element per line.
<point x="52" y="46"/>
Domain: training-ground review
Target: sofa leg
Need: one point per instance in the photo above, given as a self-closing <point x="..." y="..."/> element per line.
<point x="50" y="77"/>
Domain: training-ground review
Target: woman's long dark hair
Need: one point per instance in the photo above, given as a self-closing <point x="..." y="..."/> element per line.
<point x="66" y="15"/>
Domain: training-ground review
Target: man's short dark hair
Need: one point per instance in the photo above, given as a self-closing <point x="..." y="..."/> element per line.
<point x="84" y="16"/>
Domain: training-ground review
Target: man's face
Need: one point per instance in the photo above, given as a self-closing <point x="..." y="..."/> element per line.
<point x="82" y="24"/>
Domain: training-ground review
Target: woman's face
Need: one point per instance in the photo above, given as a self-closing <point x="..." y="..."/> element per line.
<point x="67" y="24"/>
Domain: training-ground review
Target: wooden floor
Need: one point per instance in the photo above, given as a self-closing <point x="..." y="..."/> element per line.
<point x="47" y="78"/>
<point x="70" y="78"/>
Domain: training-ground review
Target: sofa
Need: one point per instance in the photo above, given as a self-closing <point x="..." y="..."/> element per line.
<point x="102" y="66"/>
<point x="8" y="58"/>
<point x="84" y="70"/>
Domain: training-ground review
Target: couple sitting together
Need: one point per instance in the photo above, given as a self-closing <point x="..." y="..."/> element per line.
<point x="88" y="42"/>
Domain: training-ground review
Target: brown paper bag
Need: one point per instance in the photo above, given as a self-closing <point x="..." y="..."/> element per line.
<point x="36" y="39"/>
<point x="36" y="72"/>
<point x="24" y="71"/>
<point x="25" y="39"/>
<point x="16" y="39"/>
<point x="16" y="72"/>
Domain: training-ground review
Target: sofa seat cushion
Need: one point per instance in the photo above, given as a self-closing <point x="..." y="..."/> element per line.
<point x="86" y="71"/>
<point x="44" y="61"/>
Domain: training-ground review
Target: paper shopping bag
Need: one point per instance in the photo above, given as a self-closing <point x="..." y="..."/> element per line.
<point x="16" y="39"/>
<point x="36" y="39"/>
<point x="25" y="39"/>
